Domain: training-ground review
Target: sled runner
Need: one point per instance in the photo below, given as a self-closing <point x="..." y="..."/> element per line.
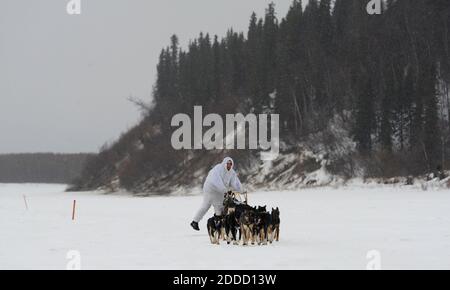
<point x="254" y="224"/>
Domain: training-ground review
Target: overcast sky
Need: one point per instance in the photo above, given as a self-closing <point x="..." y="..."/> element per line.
<point x="65" y="79"/>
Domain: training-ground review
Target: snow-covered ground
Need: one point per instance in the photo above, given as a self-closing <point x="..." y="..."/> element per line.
<point x="322" y="228"/>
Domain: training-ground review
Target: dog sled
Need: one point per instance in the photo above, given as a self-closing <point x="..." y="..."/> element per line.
<point x="242" y="224"/>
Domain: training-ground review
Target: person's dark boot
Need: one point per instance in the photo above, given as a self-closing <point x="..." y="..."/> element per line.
<point x="194" y="225"/>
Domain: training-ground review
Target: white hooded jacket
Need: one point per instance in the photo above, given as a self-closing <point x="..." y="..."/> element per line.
<point x="220" y="180"/>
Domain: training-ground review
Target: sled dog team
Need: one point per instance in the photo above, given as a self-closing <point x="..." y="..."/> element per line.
<point x="254" y="224"/>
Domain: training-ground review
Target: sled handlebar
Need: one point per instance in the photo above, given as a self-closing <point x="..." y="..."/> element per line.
<point x="240" y="194"/>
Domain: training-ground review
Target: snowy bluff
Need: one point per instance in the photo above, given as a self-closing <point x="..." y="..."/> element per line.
<point x="355" y="97"/>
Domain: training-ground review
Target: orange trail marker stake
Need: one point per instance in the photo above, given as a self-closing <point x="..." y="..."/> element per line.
<point x="73" y="210"/>
<point x="25" y="200"/>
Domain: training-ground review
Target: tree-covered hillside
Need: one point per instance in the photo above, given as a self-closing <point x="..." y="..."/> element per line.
<point x="384" y="77"/>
